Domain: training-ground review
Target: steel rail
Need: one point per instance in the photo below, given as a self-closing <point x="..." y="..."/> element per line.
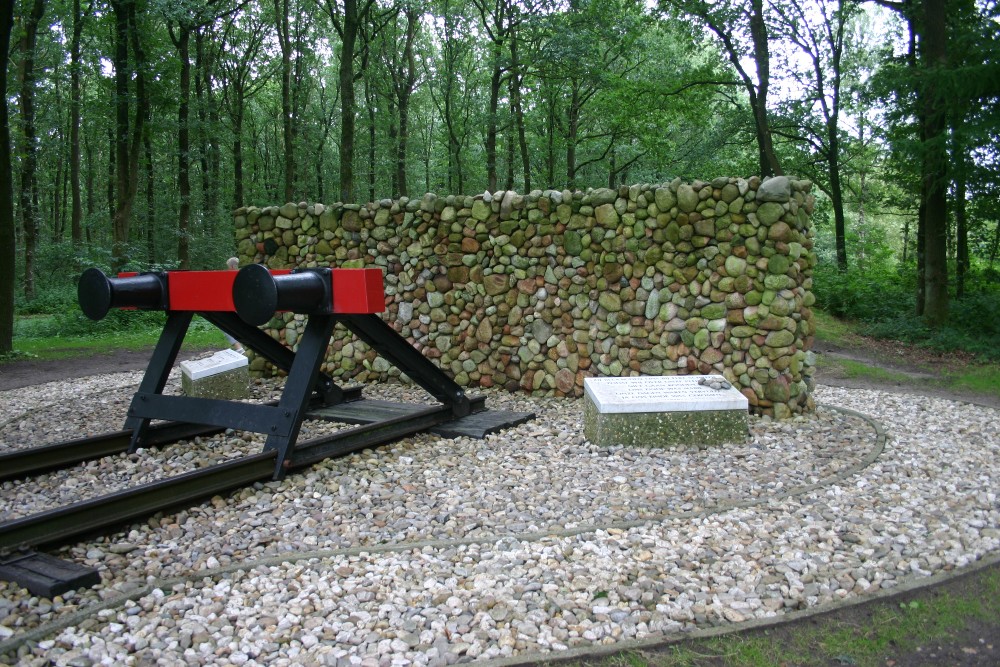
<point x="36" y="460"/>
<point x="33" y="461"/>
<point x="90" y="516"/>
<point x="59" y="524"/>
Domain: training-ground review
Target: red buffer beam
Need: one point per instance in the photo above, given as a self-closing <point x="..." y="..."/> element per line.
<point x="313" y="291"/>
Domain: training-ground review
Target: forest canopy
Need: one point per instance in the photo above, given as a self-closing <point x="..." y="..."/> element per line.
<point x="137" y="126"/>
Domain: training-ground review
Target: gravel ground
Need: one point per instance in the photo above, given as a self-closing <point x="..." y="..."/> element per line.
<point x="434" y="551"/>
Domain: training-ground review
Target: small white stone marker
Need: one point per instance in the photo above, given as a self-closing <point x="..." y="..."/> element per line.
<point x="224" y="375"/>
<point x="220" y="362"/>
<point x="658" y="411"/>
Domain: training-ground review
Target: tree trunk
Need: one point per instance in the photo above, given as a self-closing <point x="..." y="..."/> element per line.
<point x="921" y="256"/>
<point x="284" y="39"/>
<point x="404" y="90"/>
<point x="238" y="198"/>
<point x="147" y="146"/>
<point x="509" y="147"/>
<point x="550" y="142"/>
<point x="91" y="206"/>
<point x="935" y="165"/>
<point x="126" y="161"/>
<point x="491" y="122"/>
<point x="762" y="59"/>
<point x="370" y="105"/>
<point x="837" y="197"/>
<point x="208" y="135"/>
<point x="517" y="110"/>
<point x="76" y="214"/>
<point x="29" y="161"/>
<point x="112" y="160"/>
<point x="183" y="43"/>
<point x="393" y="151"/>
<point x="572" y="130"/>
<point x="8" y="246"/>
<point x="958" y="158"/>
<point x="349" y="38"/>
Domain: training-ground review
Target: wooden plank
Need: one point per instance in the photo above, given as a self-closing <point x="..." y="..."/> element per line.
<point x="481" y="424"/>
<point x="367" y="411"/>
<point x="46" y="575"/>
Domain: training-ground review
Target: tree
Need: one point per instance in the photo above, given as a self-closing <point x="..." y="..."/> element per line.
<point x="591" y="58"/>
<point x="29" y="147"/>
<point x="742" y="31"/>
<point x="934" y="166"/>
<point x="928" y="65"/>
<point x="818" y="31"/>
<point x="242" y="78"/>
<point x="403" y="75"/>
<point x="451" y="91"/>
<point x="76" y="216"/>
<point x="8" y="246"/>
<point x="183" y="21"/>
<point x="348" y="19"/>
<point x="127" y="136"/>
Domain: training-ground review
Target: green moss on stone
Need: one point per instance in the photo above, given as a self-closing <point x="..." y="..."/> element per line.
<point x="699" y="429"/>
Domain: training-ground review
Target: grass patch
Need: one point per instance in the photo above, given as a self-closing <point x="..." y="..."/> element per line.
<point x="39" y="337"/>
<point x="866" y="637"/>
<point x="832" y="330"/>
<point x="857" y="369"/>
<point x="981" y="379"/>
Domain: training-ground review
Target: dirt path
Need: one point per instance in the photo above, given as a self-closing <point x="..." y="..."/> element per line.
<point x="912" y="370"/>
<point x="27" y="372"/>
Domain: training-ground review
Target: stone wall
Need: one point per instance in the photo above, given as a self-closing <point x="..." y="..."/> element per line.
<point x="536" y="292"/>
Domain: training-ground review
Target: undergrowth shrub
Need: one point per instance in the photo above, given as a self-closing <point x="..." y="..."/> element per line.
<point x="883" y="300"/>
<point x="867" y="295"/>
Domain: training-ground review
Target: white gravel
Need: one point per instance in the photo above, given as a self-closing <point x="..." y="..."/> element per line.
<point x="434" y="551"/>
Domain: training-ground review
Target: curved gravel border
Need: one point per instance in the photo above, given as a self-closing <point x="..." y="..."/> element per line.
<point x="637" y="538"/>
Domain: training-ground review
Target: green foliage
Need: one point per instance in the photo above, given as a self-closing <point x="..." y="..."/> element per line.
<point x="872" y="295"/>
<point x="72" y="323"/>
<point x="881" y="298"/>
<point x="973" y="325"/>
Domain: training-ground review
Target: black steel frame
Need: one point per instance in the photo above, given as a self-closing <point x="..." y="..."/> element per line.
<point x="280" y="423"/>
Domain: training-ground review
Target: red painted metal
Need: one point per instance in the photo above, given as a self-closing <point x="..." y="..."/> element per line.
<point x="355" y="291"/>
<point x="358" y="291"/>
<point x="208" y="291"/>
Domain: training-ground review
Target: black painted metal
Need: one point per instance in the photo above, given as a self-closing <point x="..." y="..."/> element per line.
<point x="369" y="435"/>
<point x="273" y="351"/>
<point x="397" y="350"/>
<point x="478" y="424"/>
<point x="98" y="293"/>
<point x="301" y="378"/>
<point x="47" y="576"/>
<point x="157" y="371"/>
<point x="213" y="412"/>
<point x="369" y="410"/>
<point x="59" y="524"/>
<point x="36" y="460"/>
<point x="257" y="294"/>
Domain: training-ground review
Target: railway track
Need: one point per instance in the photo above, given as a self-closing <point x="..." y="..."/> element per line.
<point x="237" y="304"/>
<point x="376" y="422"/>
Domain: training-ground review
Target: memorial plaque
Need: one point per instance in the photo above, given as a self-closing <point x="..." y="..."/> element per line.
<point x="224" y="375"/>
<point x="220" y="362"/>
<point x="658" y="411"/>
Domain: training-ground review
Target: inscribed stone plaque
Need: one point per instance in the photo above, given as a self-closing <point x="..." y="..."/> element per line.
<point x="224" y="375"/>
<point x="659" y="411"/>
<point x="217" y="363"/>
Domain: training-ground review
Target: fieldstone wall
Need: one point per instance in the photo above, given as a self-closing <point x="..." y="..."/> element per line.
<point x="536" y="292"/>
